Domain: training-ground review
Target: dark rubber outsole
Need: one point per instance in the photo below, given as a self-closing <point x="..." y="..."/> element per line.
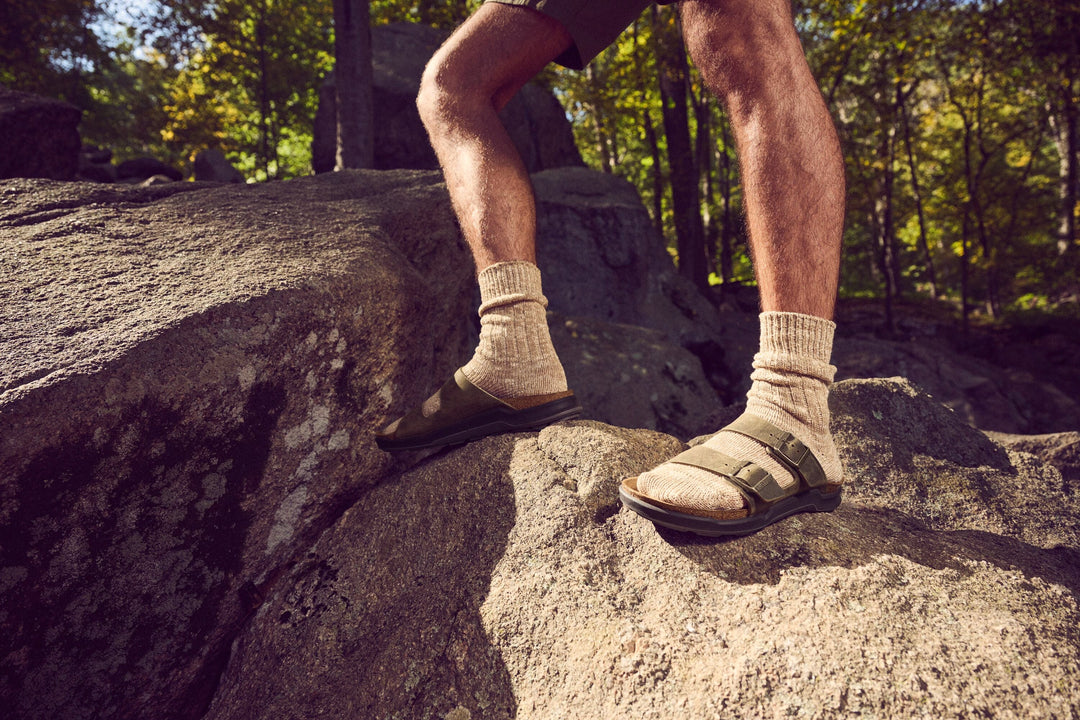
<point x="809" y="501"/>
<point x="492" y="422"/>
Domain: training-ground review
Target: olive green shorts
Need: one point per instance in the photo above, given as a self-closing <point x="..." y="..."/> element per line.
<point x="592" y="24"/>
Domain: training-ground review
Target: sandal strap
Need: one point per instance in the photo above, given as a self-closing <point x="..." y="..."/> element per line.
<point x="783" y="446"/>
<point x="752" y="481"/>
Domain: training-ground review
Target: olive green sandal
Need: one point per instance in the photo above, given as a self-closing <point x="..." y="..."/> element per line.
<point x="766" y="501"/>
<point x="459" y="411"/>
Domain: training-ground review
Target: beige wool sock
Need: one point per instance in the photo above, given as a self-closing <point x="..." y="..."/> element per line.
<point x="515" y="357"/>
<point x="791" y="378"/>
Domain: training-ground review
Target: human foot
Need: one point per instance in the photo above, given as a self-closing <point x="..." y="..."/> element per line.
<point x="777" y="459"/>
<point x="459" y="412"/>
<point x="514" y="381"/>
<point x="515" y="357"/>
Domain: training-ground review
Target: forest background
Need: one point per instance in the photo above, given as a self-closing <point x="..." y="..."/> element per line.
<point x="959" y="119"/>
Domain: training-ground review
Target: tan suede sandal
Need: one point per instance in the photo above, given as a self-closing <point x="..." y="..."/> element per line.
<point x="459" y="411"/>
<point x="766" y="501"/>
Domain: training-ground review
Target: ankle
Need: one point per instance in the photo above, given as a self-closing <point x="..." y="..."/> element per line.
<point x="792" y="375"/>
<point x="515" y="357"/>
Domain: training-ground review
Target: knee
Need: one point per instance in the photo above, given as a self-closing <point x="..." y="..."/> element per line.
<point x="446" y="91"/>
<point x="741" y="47"/>
<point x="434" y="93"/>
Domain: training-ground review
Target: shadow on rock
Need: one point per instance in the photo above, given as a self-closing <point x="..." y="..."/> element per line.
<point x="855" y="535"/>
<point x="381" y="619"/>
<point x="892" y="421"/>
<point x="120" y="546"/>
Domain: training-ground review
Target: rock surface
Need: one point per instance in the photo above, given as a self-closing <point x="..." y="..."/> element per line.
<point x="921" y="458"/>
<point x="1062" y="450"/>
<point x="985" y="395"/>
<point x="603" y="259"/>
<point x="212" y="166"/>
<point x="95" y="164"/>
<point x="634" y="377"/>
<point x="536" y="122"/>
<point x="502" y="580"/>
<point x="140" y="169"/>
<point x="39" y="137"/>
<point x="190" y="380"/>
<point x="196" y="522"/>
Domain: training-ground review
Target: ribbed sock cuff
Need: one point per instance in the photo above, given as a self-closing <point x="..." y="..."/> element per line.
<point x="507" y="283"/>
<point x="808" y="336"/>
<point x="515" y="357"/>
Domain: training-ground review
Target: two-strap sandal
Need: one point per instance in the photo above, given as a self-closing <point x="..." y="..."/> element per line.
<point x="459" y="412"/>
<point x="766" y="501"/>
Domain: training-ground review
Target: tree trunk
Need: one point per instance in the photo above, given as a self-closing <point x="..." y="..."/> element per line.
<point x="1065" y="125"/>
<point x="726" y="169"/>
<point x="603" y="139"/>
<point x="989" y="249"/>
<point x="965" y="305"/>
<point x="965" y="228"/>
<point x="888" y="261"/>
<point x="352" y="75"/>
<point x="971" y="205"/>
<point x="703" y="151"/>
<point x="652" y="142"/>
<point x="657" y="174"/>
<point x="264" y="92"/>
<point x="916" y="192"/>
<point x="674" y="87"/>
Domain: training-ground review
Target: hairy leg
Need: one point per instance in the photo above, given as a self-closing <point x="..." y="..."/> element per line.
<point x="472" y="76"/>
<point x="793" y="180"/>
<point x="792" y="169"/>
<point x="475" y="73"/>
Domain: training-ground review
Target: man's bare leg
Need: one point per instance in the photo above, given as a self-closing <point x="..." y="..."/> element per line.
<point x="792" y="169"/>
<point x="793" y="180"/>
<point x="483" y="64"/>
<point x="476" y="72"/>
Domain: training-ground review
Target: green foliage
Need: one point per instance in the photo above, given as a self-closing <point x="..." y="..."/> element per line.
<point x="252" y="86"/>
<point x="437" y="13"/>
<point x="127" y="107"/>
<point x="954" y="117"/>
<point x="966" y="84"/>
<point x="61" y="49"/>
<point x="47" y="46"/>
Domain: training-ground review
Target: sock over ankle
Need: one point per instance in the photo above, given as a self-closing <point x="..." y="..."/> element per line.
<point x="515" y="357"/>
<point x="791" y="378"/>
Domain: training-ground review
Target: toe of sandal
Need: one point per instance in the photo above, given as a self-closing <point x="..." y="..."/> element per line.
<point x="766" y="501"/>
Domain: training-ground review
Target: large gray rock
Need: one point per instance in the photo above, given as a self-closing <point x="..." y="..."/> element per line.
<point x="196" y="521"/>
<point x="919" y="457"/>
<point x="212" y="166"/>
<point x="39" y="137"/>
<point x="986" y="396"/>
<point x="95" y="164"/>
<point x="502" y="580"/>
<point x="634" y="377"/>
<point x="189" y="383"/>
<point x="140" y="169"/>
<point x="209" y="362"/>
<point x="603" y="259"/>
<point x="535" y="120"/>
<point x="538" y="125"/>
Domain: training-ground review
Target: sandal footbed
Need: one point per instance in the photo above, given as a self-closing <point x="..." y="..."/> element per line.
<point x="822" y="499"/>
<point x="815" y="494"/>
<point x="459" y="411"/>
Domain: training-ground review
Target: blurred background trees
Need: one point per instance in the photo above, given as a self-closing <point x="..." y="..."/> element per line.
<point x="960" y="121"/>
